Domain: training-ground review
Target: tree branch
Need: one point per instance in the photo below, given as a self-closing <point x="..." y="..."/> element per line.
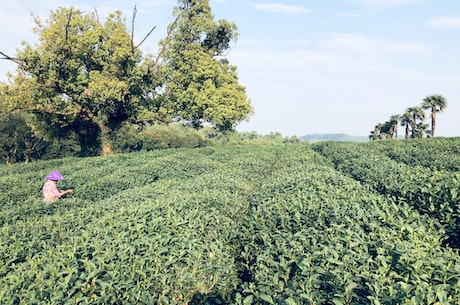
<point x="132" y="31"/>
<point x="132" y="28"/>
<point x="167" y="40"/>
<point x="148" y="34"/>
<point x="50" y="111"/>
<point x="13" y="59"/>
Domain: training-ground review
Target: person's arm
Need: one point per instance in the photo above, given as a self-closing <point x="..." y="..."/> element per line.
<point x="65" y="192"/>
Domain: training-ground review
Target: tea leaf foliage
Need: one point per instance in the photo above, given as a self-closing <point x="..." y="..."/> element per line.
<point x="242" y="224"/>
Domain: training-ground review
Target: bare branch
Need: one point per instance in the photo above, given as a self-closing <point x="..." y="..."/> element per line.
<point x="148" y="34"/>
<point x="13" y="59"/>
<point x="132" y="31"/>
<point x="96" y="14"/>
<point x="167" y="40"/>
<point x="132" y="28"/>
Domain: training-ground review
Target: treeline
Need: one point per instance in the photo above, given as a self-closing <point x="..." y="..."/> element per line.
<point x="413" y="120"/>
<point x="20" y="143"/>
<point x="87" y="89"/>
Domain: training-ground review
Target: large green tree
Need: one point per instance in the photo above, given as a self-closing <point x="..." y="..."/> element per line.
<point x="435" y="103"/>
<point x="82" y="72"/>
<point x="200" y="86"/>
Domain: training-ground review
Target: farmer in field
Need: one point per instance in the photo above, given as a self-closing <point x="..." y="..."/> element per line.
<point x="50" y="190"/>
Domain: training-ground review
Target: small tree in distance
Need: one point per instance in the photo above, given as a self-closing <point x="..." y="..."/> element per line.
<point x="413" y="117"/>
<point x="406" y="120"/>
<point x="435" y="103"/>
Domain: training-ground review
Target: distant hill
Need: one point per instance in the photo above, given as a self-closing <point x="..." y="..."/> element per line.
<point x="339" y="137"/>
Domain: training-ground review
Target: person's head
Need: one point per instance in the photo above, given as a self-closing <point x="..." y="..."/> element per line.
<point x="55" y="176"/>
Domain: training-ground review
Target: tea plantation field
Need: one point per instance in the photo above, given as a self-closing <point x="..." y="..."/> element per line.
<point x="326" y="223"/>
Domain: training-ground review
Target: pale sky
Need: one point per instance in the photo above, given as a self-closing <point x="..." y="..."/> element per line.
<point x="309" y="66"/>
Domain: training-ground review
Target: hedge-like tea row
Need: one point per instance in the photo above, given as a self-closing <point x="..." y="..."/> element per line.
<point x="434" y="153"/>
<point x="235" y="225"/>
<point x="316" y="237"/>
<point x="432" y="192"/>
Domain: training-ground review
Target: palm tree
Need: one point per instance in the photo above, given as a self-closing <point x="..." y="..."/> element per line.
<point x="380" y="132"/>
<point x="387" y="130"/>
<point x="374" y="134"/>
<point x="406" y="119"/>
<point x="416" y="113"/>
<point x="420" y="130"/>
<point x="394" y="121"/>
<point x="435" y="103"/>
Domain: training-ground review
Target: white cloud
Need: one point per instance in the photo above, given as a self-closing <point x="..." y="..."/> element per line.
<point x="281" y="8"/>
<point x="445" y="23"/>
<point x="382" y="4"/>
<point x="361" y="44"/>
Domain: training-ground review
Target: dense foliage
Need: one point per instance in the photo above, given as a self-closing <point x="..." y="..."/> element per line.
<point x="86" y="78"/>
<point x="82" y="71"/>
<point x="199" y="83"/>
<point x="253" y="224"/>
<point x="429" y="184"/>
<point x="18" y="143"/>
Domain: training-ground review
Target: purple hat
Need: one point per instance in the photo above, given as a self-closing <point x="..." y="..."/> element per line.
<point x="55" y="175"/>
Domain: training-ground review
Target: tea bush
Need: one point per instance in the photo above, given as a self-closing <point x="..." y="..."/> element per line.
<point x="218" y="225"/>
<point x="432" y="192"/>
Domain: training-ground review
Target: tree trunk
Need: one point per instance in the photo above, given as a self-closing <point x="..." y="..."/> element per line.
<point x="106" y="148"/>
<point x="106" y="140"/>
<point x="433" y="123"/>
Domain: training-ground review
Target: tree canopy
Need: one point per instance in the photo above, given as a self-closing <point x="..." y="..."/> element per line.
<point x="88" y="77"/>
<point x="82" y="70"/>
<point x="199" y="86"/>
